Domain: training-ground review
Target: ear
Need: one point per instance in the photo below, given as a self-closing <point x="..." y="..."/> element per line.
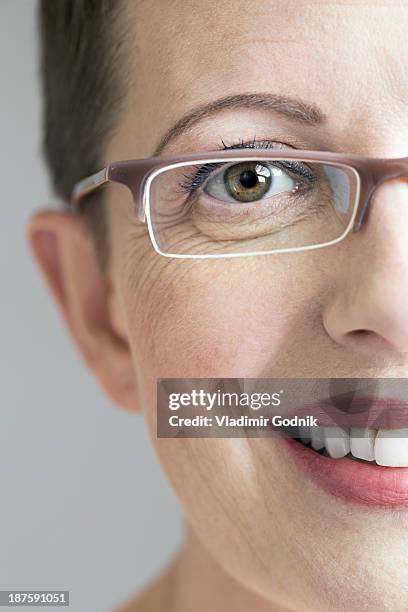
<point x="65" y="252"/>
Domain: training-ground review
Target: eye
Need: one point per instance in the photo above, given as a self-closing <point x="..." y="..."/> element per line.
<point x="248" y="182"/>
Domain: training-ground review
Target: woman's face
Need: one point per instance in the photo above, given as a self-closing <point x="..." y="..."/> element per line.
<point x="289" y="315"/>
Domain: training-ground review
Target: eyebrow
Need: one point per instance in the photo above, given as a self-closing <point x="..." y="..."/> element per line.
<point x="293" y="108"/>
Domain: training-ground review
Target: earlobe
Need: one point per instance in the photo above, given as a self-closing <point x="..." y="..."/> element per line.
<point x="65" y="253"/>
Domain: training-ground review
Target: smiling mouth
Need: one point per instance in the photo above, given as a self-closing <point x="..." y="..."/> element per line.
<point x="366" y="467"/>
<point x="384" y="447"/>
<point x="368" y="429"/>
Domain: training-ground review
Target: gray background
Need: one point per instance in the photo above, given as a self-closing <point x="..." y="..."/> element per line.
<point x="83" y="504"/>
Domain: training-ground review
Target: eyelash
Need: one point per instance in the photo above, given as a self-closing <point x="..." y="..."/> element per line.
<point x="195" y="179"/>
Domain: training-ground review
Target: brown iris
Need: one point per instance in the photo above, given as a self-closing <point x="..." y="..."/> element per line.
<point x="248" y="182"/>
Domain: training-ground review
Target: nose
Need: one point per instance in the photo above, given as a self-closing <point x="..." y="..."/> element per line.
<point x="368" y="307"/>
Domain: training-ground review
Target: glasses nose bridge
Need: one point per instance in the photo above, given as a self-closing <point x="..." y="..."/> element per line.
<point x="372" y="177"/>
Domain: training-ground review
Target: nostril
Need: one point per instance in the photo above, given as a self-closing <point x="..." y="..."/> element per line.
<point x="369" y="339"/>
<point x="361" y="335"/>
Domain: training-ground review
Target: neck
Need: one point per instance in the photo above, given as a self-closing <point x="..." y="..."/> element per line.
<point x="197" y="582"/>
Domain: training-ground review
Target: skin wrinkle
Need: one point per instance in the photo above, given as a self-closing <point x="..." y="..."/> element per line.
<point x="296" y="315"/>
<point x="162" y="321"/>
<point x="160" y="327"/>
<point x="146" y="287"/>
<point x="226" y="507"/>
<point x="300" y="323"/>
<point x="234" y="519"/>
<point x="306" y="559"/>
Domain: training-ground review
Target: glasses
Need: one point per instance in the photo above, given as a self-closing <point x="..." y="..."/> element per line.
<point x="243" y="203"/>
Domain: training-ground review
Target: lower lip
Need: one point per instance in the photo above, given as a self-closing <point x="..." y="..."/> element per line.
<point x="359" y="483"/>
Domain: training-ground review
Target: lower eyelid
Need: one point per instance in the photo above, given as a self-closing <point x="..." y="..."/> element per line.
<point x="238" y="210"/>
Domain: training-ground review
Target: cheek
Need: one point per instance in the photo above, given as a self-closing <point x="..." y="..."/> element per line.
<point x="226" y="319"/>
<point x="236" y="327"/>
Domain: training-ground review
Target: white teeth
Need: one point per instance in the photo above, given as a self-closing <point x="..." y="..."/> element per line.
<point x="391" y="447"/>
<point x="362" y="443"/>
<point x="387" y="447"/>
<point x="337" y="441"/>
<point x="317" y="437"/>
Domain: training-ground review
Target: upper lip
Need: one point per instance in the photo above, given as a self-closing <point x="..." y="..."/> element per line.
<point x="366" y="411"/>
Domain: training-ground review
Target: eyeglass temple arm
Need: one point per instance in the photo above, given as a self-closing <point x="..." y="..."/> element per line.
<point x="89" y="184"/>
<point x="102" y="177"/>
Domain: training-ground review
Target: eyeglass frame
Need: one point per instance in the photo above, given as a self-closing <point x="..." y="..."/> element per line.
<point x="137" y="174"/>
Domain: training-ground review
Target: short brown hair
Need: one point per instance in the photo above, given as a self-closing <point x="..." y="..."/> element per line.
<point x="83" y="92"/>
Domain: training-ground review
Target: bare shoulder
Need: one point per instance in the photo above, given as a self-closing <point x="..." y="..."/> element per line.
<point x="155" y="598"/>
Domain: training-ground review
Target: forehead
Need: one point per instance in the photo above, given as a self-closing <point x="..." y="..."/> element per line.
<point x="348" y="58"/>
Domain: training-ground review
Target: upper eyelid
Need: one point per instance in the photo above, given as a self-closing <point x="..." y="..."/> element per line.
<point x="261" y="144"/>
<point x="248" y="144"/>
<point x="293" y="108"/>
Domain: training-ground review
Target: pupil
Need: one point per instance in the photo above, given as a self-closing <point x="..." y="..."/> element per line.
<point x="248" y="178"/>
